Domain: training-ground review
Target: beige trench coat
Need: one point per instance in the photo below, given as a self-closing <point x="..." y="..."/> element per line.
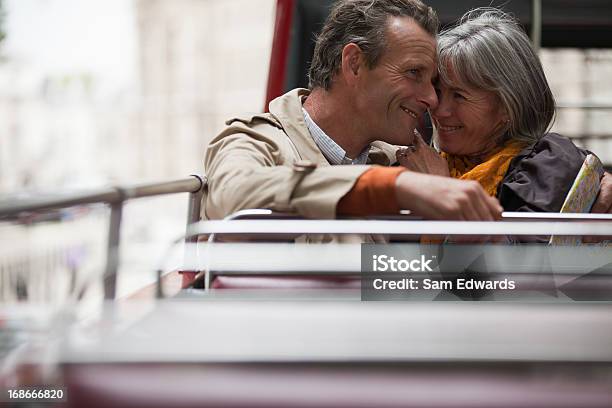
<point x="271" y="161"/>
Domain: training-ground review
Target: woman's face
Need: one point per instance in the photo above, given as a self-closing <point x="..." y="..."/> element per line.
<point x="469" y="120"/>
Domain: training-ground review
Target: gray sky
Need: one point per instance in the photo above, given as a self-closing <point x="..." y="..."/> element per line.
<point x="73" y="36"/>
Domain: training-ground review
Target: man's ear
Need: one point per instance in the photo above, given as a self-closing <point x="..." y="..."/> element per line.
<point x="352" y="63"/>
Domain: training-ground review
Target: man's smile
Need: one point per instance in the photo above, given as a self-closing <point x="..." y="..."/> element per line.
<point x="408" y="111"/>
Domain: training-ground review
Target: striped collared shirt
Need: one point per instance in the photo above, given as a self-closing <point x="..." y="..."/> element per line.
<point x="331" y="150"/>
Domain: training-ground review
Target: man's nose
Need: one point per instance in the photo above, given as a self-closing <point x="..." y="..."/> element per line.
<point x="429" y="97"/>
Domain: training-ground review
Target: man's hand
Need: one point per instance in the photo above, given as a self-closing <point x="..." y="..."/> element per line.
<point x="422" y="158"/>
<point x="442" y="198"/>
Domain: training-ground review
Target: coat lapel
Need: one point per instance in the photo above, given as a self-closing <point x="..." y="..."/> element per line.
<point x="288" y="110"/>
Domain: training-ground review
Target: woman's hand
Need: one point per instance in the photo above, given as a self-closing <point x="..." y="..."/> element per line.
<point x="422" y="158"/>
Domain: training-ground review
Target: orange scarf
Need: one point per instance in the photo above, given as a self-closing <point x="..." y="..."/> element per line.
<point x="490" y="172"/>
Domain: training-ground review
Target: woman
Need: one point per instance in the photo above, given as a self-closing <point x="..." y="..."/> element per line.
<point x="495" y="107"/>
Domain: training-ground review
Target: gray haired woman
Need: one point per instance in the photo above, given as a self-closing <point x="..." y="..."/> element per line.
<point x="495" y="107"/>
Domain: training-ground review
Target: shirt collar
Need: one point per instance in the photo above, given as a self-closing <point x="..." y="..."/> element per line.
<point x="331" y="150"/>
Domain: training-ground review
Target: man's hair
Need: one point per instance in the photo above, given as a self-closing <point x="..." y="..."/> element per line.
<point x="364" y="23"/>
<point x="489" y="50"/>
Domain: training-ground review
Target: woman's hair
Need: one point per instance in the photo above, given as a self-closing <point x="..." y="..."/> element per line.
<point x="489" y="50"/>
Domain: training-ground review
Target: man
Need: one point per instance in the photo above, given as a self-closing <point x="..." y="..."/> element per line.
<point x="371" y="80"/>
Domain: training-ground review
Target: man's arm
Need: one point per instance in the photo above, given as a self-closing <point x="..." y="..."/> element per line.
<point x="255" y="171"/>
<point x="386" y="190"/>
<point x="251" y="170"/>
<point x="444" y="198"/>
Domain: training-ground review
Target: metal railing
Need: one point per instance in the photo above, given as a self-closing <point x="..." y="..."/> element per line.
<point x="237" y="223"/>
<point x="261" y="225"/>
<point x="115" y="197"/>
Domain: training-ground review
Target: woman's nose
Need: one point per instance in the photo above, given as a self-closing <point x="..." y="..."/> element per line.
<point x="443" y="109"/>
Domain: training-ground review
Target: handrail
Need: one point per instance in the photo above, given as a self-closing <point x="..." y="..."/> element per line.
<point x="343" y="227"/>
<point x="109" y="195"/>
<point x="531" y="216"/>
<point x="114" y="197"/>
<point x="266" y="222"/>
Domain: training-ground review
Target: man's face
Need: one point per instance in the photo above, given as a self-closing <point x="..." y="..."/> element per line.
<point x="392" y="97"/>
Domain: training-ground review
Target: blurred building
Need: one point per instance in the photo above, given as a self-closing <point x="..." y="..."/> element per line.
<point x="56" y="133"/>
<point x="200" y="62"/>
<point x="42" y="119"/>
<point x="582" y="85"/>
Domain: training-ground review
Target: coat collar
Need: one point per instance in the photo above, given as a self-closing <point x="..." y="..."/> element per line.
<point x="287" y="109"/>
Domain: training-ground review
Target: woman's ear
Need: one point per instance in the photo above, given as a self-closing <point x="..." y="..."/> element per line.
<point x="504" y="116"/>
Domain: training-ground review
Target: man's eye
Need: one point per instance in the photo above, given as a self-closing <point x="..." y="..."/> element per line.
<point x="458" y="95"/>
<point x="413" y="72"/>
